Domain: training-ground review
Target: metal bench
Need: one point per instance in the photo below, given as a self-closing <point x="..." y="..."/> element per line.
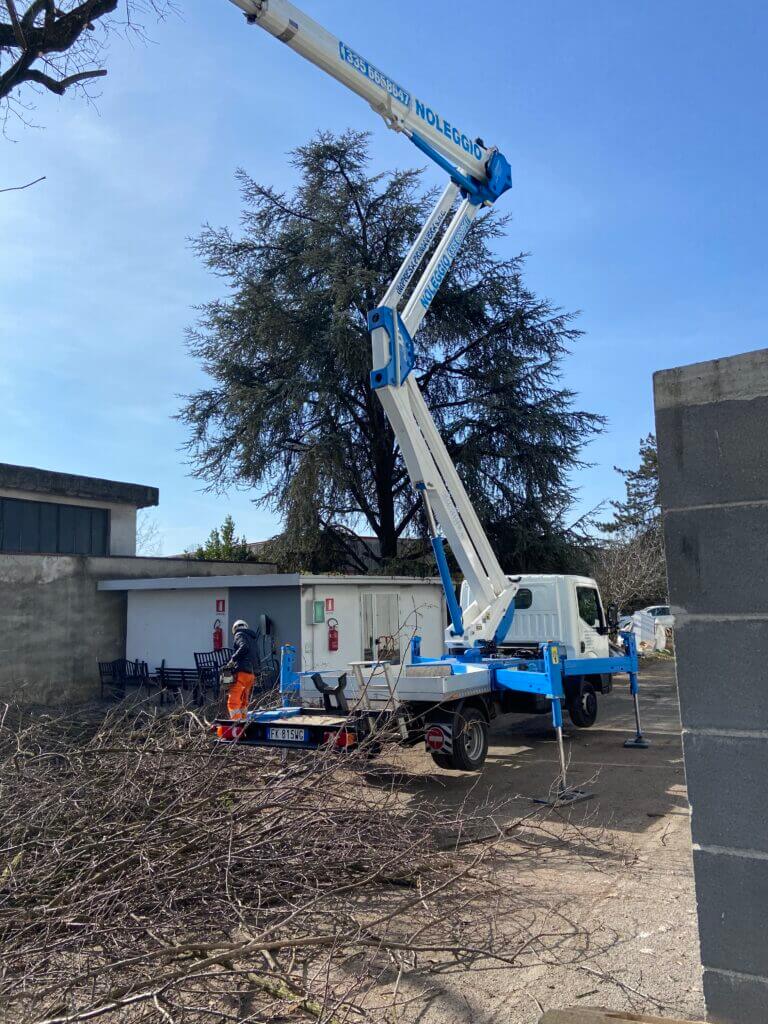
<point x="119" y="674"/>
<point x="209" y="664"/>
<point x="177" y="680"/>
<point x="107" y="676"/>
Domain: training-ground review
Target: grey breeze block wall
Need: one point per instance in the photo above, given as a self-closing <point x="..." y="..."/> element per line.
<point x="712" y="428"/>
<point x="55" y="625"/>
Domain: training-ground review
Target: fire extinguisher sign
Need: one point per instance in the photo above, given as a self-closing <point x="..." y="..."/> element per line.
<point x="221" y="604"/>
<point x="329" y="607"/>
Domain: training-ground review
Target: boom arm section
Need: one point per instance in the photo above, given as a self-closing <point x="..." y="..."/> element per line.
<point x="468" y="159"/>
<point x="479" y="175"/>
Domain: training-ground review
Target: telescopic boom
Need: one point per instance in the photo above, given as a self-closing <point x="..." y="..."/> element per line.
<point x="478" y="176"/>
<point x="400" y="108"/>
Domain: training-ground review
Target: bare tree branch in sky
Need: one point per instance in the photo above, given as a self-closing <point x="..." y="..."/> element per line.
<point x="60" y="47"/>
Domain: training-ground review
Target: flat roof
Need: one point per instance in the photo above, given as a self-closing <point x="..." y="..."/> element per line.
<point x="71" y="485"/>
<point x="283" y="579"/>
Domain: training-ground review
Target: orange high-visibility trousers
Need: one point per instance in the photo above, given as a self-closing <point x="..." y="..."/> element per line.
<point x="239" y="693"/>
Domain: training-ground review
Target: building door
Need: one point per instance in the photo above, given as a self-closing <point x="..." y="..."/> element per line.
<point x="381" y="627"/>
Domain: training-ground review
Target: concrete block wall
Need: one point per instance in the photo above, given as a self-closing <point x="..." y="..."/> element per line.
<point x="55" y="625"/>
<point x="712" y="429"/>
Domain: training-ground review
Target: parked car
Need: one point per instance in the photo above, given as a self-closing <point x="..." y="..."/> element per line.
<point x="661" y="614"/>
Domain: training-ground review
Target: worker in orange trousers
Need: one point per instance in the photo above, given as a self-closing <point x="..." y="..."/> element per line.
<point x="243" y="665"/>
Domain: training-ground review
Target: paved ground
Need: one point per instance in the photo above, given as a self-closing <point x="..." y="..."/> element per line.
<point x="609" y="884"/>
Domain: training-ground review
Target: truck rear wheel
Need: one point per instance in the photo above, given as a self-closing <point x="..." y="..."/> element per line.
<point x="582" y="705"/>
<point x="442" y="760"/>
<point x="470" y="743"/>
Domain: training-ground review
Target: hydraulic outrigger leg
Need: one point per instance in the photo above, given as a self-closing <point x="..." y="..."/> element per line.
<point x="562" y="793"/>
<point x="639" y="739"/>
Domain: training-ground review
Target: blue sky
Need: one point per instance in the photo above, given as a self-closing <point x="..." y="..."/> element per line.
<point x="638" y="137"/>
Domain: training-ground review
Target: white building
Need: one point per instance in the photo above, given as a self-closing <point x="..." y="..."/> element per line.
<point x="374" y="616"/>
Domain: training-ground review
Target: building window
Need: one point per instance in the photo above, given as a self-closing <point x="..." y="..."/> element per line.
<point x="42" y="527"/>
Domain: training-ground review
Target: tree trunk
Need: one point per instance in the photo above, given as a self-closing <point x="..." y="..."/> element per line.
<point x="385" y="472"/>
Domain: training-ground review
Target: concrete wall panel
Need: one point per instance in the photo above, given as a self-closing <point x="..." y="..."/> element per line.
<point x="732" y="893"/>
<point x="732" y="996"/>
<point x="712" y="428"/>
<point x="709" y="652"/>
<point x="55" y="625"/>
<point x="727" y="790"/>
<point x="717" y="559"/>
<point x="704" y="462"/>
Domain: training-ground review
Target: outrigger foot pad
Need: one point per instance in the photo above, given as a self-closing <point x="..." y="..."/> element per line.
<point x="638" y="741"/>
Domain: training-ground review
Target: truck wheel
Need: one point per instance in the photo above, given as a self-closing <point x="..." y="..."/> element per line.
<point x="442" y="760"/>
<point x="470" y="741"/>
<point x="582" y="705"/>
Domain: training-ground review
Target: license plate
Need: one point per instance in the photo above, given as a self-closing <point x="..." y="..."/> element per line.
<point x="286" y="734"/>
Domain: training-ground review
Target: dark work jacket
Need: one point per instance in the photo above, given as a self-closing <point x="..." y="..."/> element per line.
<point x="245" y="658"/>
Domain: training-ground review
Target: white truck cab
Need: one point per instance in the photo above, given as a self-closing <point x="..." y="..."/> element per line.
<point x="567" y="609"/>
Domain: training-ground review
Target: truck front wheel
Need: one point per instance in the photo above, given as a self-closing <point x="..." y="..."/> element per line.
<point x="470" y="743"/>
<point x="582" y="704"/>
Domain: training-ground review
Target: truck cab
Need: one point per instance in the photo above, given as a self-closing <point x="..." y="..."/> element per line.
<point x="567" y="609"/>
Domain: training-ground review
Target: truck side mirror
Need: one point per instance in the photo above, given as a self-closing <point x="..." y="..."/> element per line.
<point x="612" y="616"/>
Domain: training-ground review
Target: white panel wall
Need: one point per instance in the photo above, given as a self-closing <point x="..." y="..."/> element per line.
<point x="422" y="611"/>
<point x="173" y="624"/>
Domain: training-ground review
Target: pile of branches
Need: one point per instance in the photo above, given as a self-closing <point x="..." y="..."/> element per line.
<point x="147" y="874"/>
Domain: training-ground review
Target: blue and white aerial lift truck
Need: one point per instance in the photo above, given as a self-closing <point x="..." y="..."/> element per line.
<point x="493" y="663"/>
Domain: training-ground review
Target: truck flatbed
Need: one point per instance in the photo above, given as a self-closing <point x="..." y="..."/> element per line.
<point x="329" y="721"/>
<point x="299" y="728"/>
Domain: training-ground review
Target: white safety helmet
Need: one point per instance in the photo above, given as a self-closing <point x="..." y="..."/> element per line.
<point x="240" y="624"/>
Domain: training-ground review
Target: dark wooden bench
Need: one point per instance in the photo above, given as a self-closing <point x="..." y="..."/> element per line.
<point x="209" y="664"/>
<point x="119" y="674"/>
<point x="177" y="680"/>
<point x="108" y="676"/>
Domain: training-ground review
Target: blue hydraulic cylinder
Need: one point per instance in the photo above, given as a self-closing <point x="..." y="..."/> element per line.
<point x="557" y="713"/>
<point x="498" y="170"/>
<point x="630" y="645"/>
<point x="553" y="667"/>
<point x="454" y="610"/>
<point x="290" y="684"/>
<point x="506" y="623"/>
